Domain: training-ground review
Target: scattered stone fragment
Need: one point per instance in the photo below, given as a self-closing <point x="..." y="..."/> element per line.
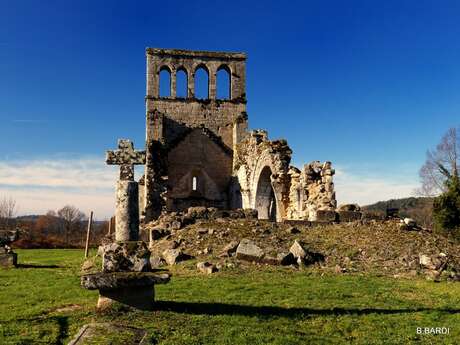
<point x="425" y="262"/>
<point x="410" y="222"/>
<point x="249" y="251"/>
<point x="285" y="259"/>
<point x="157" y="233"/>
<point x="293" y="230"/>
<point x="269" y="260"/>
<point x="297" y="250"/>
<point x="303" y="256"/>
<point x="339" y="269"/>
<point x="206" y="267"/>
<point x="229" y="249"/>
<point x="155" y="261"/>
<point x="202" y="231"/>
<point x="174" y="256"/>
<point x="126" y="256"/>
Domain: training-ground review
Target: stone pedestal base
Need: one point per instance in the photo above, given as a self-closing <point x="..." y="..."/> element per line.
<point x="139" y="297"/>
<point x="8" y="260"/>
<point x="132" y="289"/>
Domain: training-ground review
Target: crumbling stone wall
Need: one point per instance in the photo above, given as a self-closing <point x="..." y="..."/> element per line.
<point x="253" y="157"/>
<point x="311" y="190"/>
<point x="298" y="194"/>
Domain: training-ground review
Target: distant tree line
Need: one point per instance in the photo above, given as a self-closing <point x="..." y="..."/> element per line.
<point x="63" y="228"/>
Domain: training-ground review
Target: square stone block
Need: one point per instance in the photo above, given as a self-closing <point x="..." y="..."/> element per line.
<point x="326" y="216"/>
<point x="349" y="216"/>
<point x="8" y="260"/>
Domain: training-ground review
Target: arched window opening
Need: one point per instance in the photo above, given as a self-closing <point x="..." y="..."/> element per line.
<point x="165" y="83"/>
<point x="201" y="83"/>
<point x="194" y="183"/>
<point x="223" y="83"/>
<point x="181" y="84"/>
<point x="265" y="196"/>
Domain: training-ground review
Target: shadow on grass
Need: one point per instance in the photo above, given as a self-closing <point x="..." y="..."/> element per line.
<point x="63" y="324"/>
<point x="37" y="266"/>
<point x="269" y="311"/>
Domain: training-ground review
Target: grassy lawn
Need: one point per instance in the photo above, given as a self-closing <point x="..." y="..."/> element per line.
<point x="42" y="303"/>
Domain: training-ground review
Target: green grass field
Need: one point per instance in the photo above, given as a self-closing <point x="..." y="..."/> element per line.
<point x="42" y="303"/>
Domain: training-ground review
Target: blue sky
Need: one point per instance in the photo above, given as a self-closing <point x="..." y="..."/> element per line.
<point x="368" y="85"/>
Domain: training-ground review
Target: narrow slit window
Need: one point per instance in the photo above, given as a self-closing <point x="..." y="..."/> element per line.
<point x="194" y="183"/>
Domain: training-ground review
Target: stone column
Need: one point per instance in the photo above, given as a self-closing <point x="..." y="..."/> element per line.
<point x="127" y="211"/>
<point x="191" y="85"/>
<point x="212" y="84"/>
<point x="173" y="84"/>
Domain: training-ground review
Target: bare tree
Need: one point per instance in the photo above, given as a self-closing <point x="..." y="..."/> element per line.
<point x="441" y="164"/>
<point x="71" y="216"/>
<point x="8" y="209"/>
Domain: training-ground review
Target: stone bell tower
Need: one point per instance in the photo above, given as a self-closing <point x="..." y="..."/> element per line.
<point x="190" y="141"/>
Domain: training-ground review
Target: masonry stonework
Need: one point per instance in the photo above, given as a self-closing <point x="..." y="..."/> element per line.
<point x="199" y="152"/>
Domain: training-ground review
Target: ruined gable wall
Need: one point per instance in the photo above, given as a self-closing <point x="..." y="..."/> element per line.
<point x="197" y="155"/>
<point x="216" y="115"/>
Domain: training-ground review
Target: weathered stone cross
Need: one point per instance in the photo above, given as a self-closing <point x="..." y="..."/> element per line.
<point x="126" y="157"/>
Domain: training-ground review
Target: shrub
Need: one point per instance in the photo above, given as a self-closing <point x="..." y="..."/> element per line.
<point x="446" y="207"/>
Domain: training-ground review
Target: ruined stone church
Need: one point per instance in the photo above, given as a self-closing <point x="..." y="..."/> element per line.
<point x="199" y="151"/>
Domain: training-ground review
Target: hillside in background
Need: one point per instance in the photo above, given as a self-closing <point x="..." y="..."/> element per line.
<point x="418" y="208"/>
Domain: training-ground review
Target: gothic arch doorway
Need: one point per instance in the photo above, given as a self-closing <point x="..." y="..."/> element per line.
<point x="265" y="204"/>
